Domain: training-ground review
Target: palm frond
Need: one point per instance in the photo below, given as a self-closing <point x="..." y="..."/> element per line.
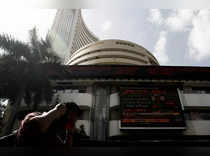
<point x="49" y="55"/>
<point x="29" y="69"/>
<point x="35" y="46"/>
<point x="14" y="48"/>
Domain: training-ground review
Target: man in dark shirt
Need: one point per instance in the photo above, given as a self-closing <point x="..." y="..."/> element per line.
<point x="53" y="128"/>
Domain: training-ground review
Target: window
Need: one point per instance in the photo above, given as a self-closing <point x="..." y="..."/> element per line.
<point x="197" y="116"/>
<point x="196" y="90"/>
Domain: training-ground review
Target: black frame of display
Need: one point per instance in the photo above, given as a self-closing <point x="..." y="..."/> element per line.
<point x="151" y="126"/>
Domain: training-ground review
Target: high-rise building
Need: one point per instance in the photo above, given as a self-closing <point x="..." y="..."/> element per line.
<point x="112" y="52"/>
<point x="69" y="33"/>
<point x="152" y="94"/>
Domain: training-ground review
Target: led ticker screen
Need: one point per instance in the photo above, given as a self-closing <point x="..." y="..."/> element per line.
<point x="151" y="108"/>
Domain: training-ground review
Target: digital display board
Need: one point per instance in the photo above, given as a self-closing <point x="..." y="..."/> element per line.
<point x="155" y="108"/>
<point x="126" y="72"/>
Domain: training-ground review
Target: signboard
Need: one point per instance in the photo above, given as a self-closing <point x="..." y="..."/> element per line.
<point x="151" y="108"/>
<point x="127" y="72"/>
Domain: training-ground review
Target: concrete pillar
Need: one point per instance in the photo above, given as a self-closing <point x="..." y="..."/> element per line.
<point x="100" y="113"/>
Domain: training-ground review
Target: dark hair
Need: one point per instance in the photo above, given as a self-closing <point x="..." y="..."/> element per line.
<point x="61" y="122"/>
<point x="71" y="106"/>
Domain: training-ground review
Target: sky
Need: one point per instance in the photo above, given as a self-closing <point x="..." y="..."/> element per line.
<point x="176" y="37"/>
<point x="18" y="21"/>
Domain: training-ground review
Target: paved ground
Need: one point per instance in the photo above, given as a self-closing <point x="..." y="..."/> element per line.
<point x="109" y="151"/>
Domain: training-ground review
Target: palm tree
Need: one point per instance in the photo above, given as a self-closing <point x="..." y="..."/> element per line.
<point x="23" y="74"/>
